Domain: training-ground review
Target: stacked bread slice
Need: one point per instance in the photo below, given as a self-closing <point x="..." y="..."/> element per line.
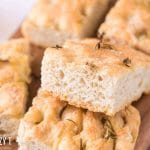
<point x="96" y="75"/>
<point x="88" y="85"/>
<point x="100" y="77"/>
<point x="52" y="22"/>
<point x="14" y="76"/>
<point x="51" y="124"/>
<point x="129" y="22"/>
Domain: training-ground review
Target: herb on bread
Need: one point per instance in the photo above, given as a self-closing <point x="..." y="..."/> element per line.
<point x="102" y="44"/>
<point x="82" y="146"/>
<point x="101" y="36"/>
<point x="77" y="127"/>
<point x="91" y="66"/>
<point x="109" y="131"/>
<point x="57" y="47"/>
<point x="98" y="46"/>
<point x="127" y="62"/>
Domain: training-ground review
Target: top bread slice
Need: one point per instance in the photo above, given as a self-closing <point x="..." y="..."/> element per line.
<point x="129" y="22"/>
<point x="96" y="75"/>
<point x="51" y="22"/>
<point x="51" y="124"/>
<point x="14" y="77"/>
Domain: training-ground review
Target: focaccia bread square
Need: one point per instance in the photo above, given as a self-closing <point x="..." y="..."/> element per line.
<point x="14" y="77"/>
<point x="51" y="124"/>
<point x="129" y="22"/>
<point x="51" y="22"/>
<point x="15" y="61"/>
<point x="13" y="98"/>
<point x="95" y="74"/>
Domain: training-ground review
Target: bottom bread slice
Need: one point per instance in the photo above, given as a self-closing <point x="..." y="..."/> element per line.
<point x="13" y="98"/>
<point x="51" y="124"/>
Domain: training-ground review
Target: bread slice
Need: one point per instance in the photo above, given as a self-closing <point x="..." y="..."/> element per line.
<point x="52" y="22"/>
<point x="96" y="75"/>
<point x="52" y="124"/>
<point x="13" y="98"/>
<point x="14" y="76"/>
<point x="129" y="22"/>
<point x="15" y="61"/>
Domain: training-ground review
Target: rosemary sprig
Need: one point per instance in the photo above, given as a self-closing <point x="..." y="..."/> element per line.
<point x="127" y="62"/>
<point x="101" y="43"/>
<point x="101" y="36"/>
<point x="98" y="46"/>
<point x="103" y="46"/>
<point x="72" y="121"/>
<point x="107" y="46"/>
<point x="82" y="146"/>
<point x="57" y="47"/>
<point x="110" y="132"/>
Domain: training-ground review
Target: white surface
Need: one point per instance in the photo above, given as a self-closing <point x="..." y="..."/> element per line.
<point x="12" y="13"/>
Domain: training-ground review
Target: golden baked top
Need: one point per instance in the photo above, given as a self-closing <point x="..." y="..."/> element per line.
<point x="112" y="58"/>
<point x="13" y="97"/>
<point x="64" y="15"/>
<point x="14" y="75"/>
<point x="55" y="123"/>
<point x="15" y="61"/>
<point x="129" y="21"/>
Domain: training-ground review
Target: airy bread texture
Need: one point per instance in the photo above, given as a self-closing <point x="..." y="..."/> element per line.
<point x="14" y="76"/>
<point x="51" y="124"/>
<point x="51" y="22"/>
<point x="129" y="22"/>
<point x="96" y="75"/>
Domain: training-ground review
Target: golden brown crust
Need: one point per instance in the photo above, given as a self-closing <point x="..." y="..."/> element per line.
<point x="72" y="19"/>
<point x="129" y="22"/>
<point x="14" y="76"/>
<point x="69" y="15"/>
<point x="13" y="98"/>
<point x="108" y="52"/>
<point x="15" y="61"/>
<point x="54" y="123"/>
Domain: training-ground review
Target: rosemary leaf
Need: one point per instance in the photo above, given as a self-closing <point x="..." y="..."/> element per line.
<point x="57" y="47"/>
<point x="127" y="62"/>
<point x="82" y="146"/>
<point x="110" y="132"/>
<point x="72" y="121"/>
<point x="98" y="46"/>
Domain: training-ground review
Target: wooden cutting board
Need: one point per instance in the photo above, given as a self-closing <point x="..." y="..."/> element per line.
<point x="143" y="105"/>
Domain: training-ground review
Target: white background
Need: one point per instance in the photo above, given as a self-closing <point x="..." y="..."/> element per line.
<point x="12" y="13"/>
